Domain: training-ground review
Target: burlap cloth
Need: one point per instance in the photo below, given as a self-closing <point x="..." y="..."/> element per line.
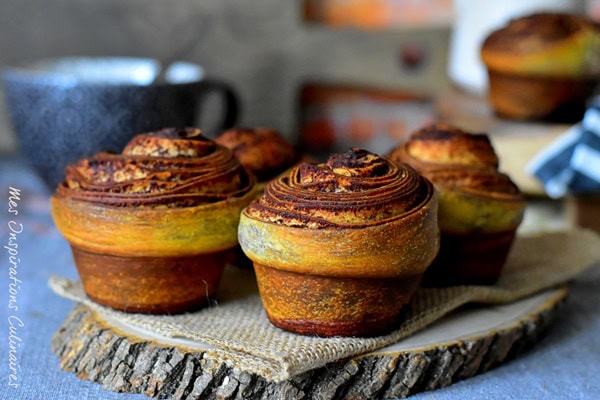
<point x="237" y="327"/>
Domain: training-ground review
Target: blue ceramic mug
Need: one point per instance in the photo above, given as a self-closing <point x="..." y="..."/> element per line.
<point x="68" y="108"/>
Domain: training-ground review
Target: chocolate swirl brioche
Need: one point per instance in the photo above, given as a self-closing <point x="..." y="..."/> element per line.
<point x="543" y="66"/>
<point x="150" y="228"/>
<point x="263" y="151"/>
<point x="357" y="229"/>
<point x="480" y="208"/>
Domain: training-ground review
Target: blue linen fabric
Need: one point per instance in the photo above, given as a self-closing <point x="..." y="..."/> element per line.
<point x="564" y="364"/>
<point x="571" y="163"/>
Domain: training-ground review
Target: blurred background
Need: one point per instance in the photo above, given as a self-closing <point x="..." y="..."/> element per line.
<point x="267" y="49"/>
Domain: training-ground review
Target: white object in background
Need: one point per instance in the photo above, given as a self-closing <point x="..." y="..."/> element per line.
<point x="592" y="9"/>
<point x="474" y="20"/>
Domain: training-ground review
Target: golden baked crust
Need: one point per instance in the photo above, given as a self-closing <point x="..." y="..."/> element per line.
<point x="545" y="44"/>
<point x="263" y="151"/>
<point x="171" y="193"/>
<point x="168" y="168"/>
<point x="349" y="215"/>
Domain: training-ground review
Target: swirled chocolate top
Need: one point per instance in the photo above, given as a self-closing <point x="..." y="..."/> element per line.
<point x="441" y="145"/>
<point x="453" y="158"/>
<point x="352" y="189"/>
<point x="545" y="44"/>
<point x="168" y="168"/>
<point x="536" y="32"/>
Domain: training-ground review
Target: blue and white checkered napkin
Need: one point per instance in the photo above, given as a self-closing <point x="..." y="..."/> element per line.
<point x="571" y="164"/>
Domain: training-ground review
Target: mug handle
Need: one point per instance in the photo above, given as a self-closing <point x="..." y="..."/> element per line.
<point x="230" y="101"/>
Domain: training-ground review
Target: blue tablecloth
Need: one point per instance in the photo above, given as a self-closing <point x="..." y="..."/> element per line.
<point x="565" y="364"/>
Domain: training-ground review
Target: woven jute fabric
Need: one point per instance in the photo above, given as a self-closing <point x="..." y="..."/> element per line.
<point x="237" y="331"/>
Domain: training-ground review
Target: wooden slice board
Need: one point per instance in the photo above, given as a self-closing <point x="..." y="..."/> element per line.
<point x="468" y="342"/>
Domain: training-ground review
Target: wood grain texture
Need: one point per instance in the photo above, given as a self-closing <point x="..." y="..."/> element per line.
<point x="94" y="351"/>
